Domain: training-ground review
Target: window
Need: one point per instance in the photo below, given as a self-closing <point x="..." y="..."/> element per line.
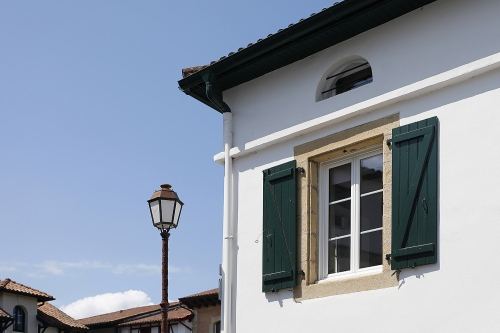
<point x="352" y="208"/>
<point x="354" y="74"/>
<point x="19" y="319"/>
<point x="351" y="214"/>
<point x="351" y="146"/>
<point x="217" y="327"/>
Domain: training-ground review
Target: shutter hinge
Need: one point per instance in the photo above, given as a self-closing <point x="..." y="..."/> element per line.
<point x="396" y="271"/>
<point x="389" y="142"/>
<point x="301" y="272"/>
<point x="301" y="170"/>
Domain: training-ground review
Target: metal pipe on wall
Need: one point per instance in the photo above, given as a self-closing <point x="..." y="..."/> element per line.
<point x="227" y="228"/>
<point x="228" y="240"/>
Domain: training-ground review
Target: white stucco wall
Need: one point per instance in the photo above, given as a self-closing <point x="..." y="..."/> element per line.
<point x="179" y="328"/>
<point x="439" y="37"/>
<point x="29" y="305"/>
<point x="124" y="330"/>
<point x="52" y="330"/>
<point x="459" y="293"/>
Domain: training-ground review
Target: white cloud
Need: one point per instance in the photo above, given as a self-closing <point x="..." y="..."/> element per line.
<point x="138" y="268"/>
<point x="109" y="302"/>
<point x="10" y="266"/>
<point x="60" y="267"/>
<point x="6" y="268"/>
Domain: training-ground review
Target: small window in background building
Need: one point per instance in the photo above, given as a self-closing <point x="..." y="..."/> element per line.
<point x="217" y="327"/>
<point x="348" y="77"/>
<point x="19" y="319"/>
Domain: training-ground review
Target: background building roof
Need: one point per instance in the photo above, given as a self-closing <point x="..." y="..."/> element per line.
<point x="205" y="298"/>
<point x="175" y="314"/>
<point x="4" y="316"/>
<point x="57" y="318"/>
<point x="117" y="316"/>
<point x="16" y="288"/>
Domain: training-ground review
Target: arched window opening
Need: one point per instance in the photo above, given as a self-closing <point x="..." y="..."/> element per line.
<point x="19" y="319"/>
<point x="352" y="75"/>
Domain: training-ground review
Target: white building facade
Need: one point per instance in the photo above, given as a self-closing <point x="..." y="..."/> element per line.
<point x="358" y="194"/>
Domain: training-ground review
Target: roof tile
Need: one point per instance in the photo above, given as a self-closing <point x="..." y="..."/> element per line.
<point x="4" y="315"/>
<point x="204" y="293"/>
<point x="119" y="315"/>
<point x="13" y="286"/>
<point x="205" y="298"/>
<point x="175" y="314"/>
<point x="191" y="70"/>
<point x="58" y="318"/>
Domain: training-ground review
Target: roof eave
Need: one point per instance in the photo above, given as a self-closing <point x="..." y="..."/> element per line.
<point x="39" y="298"/>
<point x="298" y="32"/>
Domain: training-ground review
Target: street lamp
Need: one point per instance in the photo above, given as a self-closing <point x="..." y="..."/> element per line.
<point x="165" y="208"/>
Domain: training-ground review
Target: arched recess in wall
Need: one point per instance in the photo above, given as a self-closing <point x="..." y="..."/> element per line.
<point x="344" y="75"/>
<point x="19" y="316"/>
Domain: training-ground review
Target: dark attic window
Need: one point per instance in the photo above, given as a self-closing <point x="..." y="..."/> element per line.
<point x="348" y="77"/>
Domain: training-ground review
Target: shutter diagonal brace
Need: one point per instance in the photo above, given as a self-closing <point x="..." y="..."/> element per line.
<point x="281" y="225"/>
<point x="428" y="134"/>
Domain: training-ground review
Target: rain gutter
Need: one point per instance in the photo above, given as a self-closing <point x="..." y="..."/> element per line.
<point x="272" y="44"/>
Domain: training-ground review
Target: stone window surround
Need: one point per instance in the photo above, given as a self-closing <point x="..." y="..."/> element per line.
<point x="213" y="320"/>
<point x="309" y="156"/>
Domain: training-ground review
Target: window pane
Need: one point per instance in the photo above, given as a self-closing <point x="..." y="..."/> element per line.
<point x="371" y="211"/>
<point x="370" y="253"/>
<point x="371" y="174"/>
<point x="339" y="217"/>
<point x="354" y="80"/>
<point x="340" y="182"/>
<point x="167" y="210"/>
<point x="339" y="255"/>
<point x="18" y="324"/>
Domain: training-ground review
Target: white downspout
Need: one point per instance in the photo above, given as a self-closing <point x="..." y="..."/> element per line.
<point x="227" y="229"/>
<point x="228" y="271"/>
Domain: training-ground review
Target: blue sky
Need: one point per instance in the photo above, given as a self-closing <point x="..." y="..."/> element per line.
<point x="92" y="122"/>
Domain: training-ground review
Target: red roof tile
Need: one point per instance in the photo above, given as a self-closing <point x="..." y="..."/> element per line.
<point x="4" y="315"/>
<point x="57" y="318"/>
<point x="116" y="316"/>
<point x="175" y="314"/>
<point x="205" y="298"/>
<point x="11" y="286"/>
<point x="204" y="293"/>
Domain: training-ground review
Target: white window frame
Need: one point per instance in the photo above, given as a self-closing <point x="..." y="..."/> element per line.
<point x="354" y="159"/>
<point x="348" y="69"/>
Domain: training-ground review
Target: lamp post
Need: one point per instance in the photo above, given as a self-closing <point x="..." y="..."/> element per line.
<point x="165" y="208"/>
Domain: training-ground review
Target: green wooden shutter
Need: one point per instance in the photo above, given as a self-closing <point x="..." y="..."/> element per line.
<point x="279" y="233"/>
<point x="414" y="194"/>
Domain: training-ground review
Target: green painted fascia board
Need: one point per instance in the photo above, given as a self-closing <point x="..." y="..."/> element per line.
<point x="339" y="13"/>
<point x="275" y="41"/>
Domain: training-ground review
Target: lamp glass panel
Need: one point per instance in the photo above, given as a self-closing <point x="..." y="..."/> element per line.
<point x="154" y="206"/>
<point x="178" y="208"/>
<point x="167" y="210"/>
